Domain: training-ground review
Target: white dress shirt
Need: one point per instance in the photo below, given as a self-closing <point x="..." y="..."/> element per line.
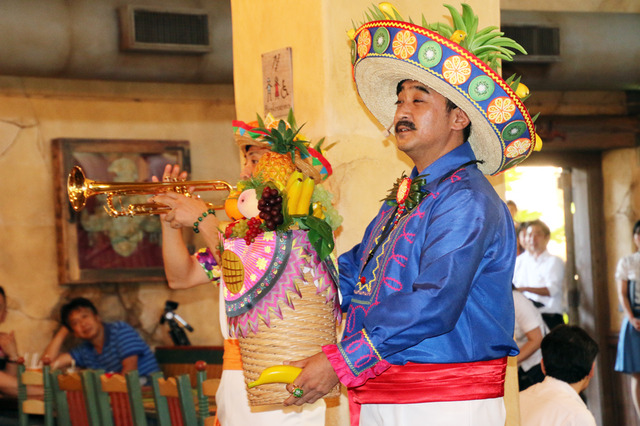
<point x="553" y="403"/>
<point x="546" y="270"/>
<point x="629" y="269"/>
<point x="527" y="318"/>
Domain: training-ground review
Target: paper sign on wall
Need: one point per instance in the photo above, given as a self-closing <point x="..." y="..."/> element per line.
<point x="277" y="82"/>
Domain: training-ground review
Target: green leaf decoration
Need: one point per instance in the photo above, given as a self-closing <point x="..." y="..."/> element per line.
<point x="514" y="83"/>
<point x="291" y="119"/>
<point x="320" y="235"/>
<point x="318" y="145"/>
<point x="369" y="19"/>
<point x="535" y="117"/>
<point x="287" y="220"/>
<point x="458" y="23"/>
<point x="260" y="122"/>
<point x="283" y="138"/>
<point x="415" y="193"/>
<point x="380" y="16"/>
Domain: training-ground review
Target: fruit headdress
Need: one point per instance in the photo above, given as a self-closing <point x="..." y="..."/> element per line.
<point x="461" y="63"/>
<point x="285" y="191"/>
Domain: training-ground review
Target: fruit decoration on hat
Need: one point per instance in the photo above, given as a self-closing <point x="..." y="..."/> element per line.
<point x="285" y="191"/>
<point x="278" y="164"/>
<point x="283" y="238"/>
<point x="459" y="61"/>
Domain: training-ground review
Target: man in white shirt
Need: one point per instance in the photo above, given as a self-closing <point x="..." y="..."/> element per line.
<point x="568" y="360"/>
<point x="529" y="331"/>
<point x="539" y="275"/>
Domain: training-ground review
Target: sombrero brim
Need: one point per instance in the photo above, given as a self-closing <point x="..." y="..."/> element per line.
<point x="387" y="52"/>
<point x="244" y="142"/>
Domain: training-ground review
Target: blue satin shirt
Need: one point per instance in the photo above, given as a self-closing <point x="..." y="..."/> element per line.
<point x="438" y="289"/>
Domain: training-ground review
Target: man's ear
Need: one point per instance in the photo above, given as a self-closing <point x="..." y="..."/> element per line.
<point x="460" y="119"/>
<point x="542" y="367"/>
<point x="593" y="368"/>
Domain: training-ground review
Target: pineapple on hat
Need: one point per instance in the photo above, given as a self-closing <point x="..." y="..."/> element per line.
<point x="288" y="151"/>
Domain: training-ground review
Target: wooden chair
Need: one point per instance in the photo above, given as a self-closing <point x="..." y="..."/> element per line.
<point x="173" y="398"/>
<point x="28" y="406"/>
<point x="119" y="399"/>
<point x="207" y="389"/>
<point x="76" y="404"/>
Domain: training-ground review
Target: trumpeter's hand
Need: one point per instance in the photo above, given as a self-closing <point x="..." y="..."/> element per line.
<point x="185" y="211"/>
<point x="171" y="174"/>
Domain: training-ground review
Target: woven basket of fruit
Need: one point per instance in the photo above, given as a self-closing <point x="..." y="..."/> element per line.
<point x="280" y="284"/>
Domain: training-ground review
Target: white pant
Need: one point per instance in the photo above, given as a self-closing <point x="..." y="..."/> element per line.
<point x="233" y="407"/>
<point x="482" y="412"/>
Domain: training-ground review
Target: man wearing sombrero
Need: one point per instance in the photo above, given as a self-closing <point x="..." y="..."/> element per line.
<point x="427" y="292"/>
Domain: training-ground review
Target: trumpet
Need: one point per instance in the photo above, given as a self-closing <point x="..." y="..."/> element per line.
<point x="80" y="189"/>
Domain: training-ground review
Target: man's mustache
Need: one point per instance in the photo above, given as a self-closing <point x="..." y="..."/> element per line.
<point x="403" y="123"/>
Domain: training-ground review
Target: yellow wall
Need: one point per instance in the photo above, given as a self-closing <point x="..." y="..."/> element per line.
<point x="365" y="163"/>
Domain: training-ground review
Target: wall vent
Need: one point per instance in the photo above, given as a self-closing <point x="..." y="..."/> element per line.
<point x="541" y="43"/>
<point x="145" y="28"/>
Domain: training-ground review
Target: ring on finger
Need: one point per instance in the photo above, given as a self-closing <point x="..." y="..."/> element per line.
<point x="297" y="391"/>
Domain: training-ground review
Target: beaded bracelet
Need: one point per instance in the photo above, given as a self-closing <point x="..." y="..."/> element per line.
<point x="201" y="218"/>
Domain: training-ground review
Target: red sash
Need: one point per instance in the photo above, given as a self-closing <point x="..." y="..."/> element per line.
<point x="418" y="383"/>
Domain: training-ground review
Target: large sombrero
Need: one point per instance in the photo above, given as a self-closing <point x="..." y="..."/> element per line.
<point x="386" y="51"/>
<point x="247" y="134"/>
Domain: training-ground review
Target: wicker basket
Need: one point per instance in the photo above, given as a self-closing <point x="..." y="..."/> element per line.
<point x="300" y="334"/>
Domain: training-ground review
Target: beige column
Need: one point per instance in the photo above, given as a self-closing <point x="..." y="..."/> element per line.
<point x="365" y="163"/>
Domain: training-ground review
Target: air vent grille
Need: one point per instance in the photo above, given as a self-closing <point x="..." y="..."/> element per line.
<point x="181" y="31"/>
<point x="541" y="43"/>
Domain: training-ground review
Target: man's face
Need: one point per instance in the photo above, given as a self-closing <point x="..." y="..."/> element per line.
<point x="251" y="158"/>
<point x="84" y="323"/>
<point x="421" y="120"/>
<point x="536" y="239"/>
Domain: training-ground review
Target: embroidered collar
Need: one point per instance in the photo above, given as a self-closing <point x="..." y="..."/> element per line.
<point x="443" y="165"/>
<point x="407" y="192"/>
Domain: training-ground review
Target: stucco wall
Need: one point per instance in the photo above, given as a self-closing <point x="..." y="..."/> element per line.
<point x="35" y="111"/>
<point x="365" y="162"/>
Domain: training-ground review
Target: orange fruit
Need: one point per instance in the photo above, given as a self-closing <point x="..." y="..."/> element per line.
<point x="231" y="208"/>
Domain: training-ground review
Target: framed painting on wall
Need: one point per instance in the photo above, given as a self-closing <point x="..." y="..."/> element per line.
<point x="92" y="246"/>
